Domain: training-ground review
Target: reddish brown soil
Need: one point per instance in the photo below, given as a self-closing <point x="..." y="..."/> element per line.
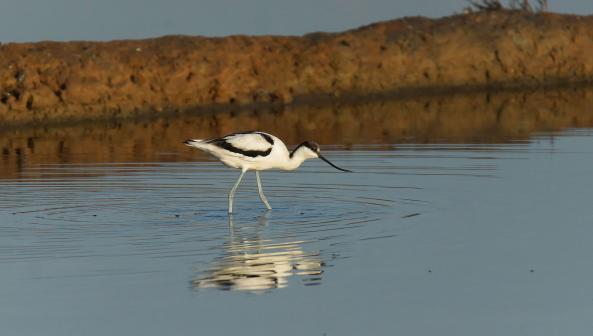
<point x="49" y="81"/>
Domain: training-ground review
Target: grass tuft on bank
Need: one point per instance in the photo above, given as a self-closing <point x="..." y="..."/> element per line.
<point x="538" y="6"/>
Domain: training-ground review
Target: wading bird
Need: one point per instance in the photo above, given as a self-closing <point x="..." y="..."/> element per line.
<point x="257" y="151"/>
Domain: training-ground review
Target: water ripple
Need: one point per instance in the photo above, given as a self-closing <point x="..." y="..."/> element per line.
<point x="177" y="211"/>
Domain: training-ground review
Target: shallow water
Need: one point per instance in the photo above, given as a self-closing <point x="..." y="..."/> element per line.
<point x="423" y="238"/>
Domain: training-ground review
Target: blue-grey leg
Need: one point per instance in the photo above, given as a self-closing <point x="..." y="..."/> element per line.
<point x="231" y="226"/>
<point x="261" y="192"/>
<point x="232" y="192"/>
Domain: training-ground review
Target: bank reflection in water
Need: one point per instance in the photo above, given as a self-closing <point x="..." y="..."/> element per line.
<point x="470" y="118"/>
<point x="254" y="264"/>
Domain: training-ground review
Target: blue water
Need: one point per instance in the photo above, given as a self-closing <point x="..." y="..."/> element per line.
<point x="421" y="239"/>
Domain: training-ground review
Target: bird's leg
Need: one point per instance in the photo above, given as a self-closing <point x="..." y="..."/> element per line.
<point x="231" y="226"/>
<point x="232" y="192"/>
<point x="261" y="192"/>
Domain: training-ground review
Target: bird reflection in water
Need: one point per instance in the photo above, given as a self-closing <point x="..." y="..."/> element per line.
<point x="253" y="264"/>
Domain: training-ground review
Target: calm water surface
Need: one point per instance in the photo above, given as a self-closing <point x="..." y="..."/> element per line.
<point x="424" y="238"/>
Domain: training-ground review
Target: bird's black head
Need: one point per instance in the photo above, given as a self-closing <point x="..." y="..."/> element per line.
<point x="314" y="147"/>
<point x="311" y="145"/>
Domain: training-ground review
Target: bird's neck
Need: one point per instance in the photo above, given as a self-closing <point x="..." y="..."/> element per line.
<point x="295" y="159"/>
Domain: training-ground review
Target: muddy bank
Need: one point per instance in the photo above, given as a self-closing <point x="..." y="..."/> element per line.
<point x="476" y="118"/>
<point x="50" y="81"/>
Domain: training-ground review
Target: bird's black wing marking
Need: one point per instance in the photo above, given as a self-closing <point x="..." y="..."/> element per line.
<point x="267" y="137"/>
<point x="214" y="140"/>
<point x="222" y="143"/>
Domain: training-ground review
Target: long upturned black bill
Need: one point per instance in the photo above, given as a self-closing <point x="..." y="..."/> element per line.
<point x="333" y="165"/>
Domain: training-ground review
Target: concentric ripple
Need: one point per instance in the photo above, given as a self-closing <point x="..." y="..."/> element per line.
<point x="177" y="212"/>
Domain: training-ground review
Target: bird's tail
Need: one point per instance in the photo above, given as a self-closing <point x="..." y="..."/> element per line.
<point x="197" y="143"/>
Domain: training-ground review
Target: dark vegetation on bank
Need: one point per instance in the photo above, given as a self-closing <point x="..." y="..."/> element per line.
<point x="537" y="6"/>
<point x="488" y="48"/>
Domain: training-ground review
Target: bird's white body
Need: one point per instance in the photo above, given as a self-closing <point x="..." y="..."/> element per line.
<point x="278" y="157"/>
<point x="257" y="151"/>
